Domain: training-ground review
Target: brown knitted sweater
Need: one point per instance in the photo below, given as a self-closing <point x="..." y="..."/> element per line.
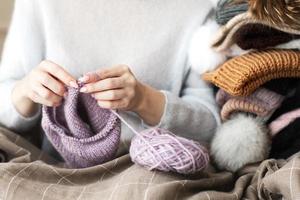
<point x="242" y="75"/>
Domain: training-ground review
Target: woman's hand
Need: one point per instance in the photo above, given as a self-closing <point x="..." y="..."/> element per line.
<point x="114" y="88"/>
<point x="117" y="88"/>
<point x="43" y="85"/>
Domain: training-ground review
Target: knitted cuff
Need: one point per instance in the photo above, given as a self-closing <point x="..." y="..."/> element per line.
<point x="236" y="105"/>
<point x="242" y="75"/>
<point x="261" y="103"/>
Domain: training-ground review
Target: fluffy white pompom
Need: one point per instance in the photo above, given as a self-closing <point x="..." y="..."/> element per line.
<point x="240" y="141"/>
<point x="202" y="57"/>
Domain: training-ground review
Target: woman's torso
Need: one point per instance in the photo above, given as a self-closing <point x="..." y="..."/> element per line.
<point x="150" y="36"/>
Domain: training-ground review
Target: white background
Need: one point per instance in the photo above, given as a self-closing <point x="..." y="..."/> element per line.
<point x="6" y="7"/>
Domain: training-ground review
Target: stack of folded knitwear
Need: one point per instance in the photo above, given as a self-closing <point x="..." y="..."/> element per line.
<point x="261" y="74"/>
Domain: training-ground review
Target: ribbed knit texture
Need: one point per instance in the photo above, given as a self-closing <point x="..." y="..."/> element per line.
<point x="262" y="103"/>
<point x="227" y="9"/>
<point x="83" y="133"/>
<point x="242" y="75"/>
<point x="259" y="36"/>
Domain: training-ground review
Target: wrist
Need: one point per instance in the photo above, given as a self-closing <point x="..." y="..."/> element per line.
<point x="21" y="101"/>
<point x="20" y="89"/>
<point x="141" y="102"/>
<point x="151" y="104"/>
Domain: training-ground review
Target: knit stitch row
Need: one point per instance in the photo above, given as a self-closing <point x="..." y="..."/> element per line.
<point x="242" y="75"/>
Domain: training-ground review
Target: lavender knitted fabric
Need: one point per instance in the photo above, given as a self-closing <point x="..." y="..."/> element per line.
<point x="83" y="133"/>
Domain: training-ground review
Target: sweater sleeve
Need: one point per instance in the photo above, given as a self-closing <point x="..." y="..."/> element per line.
<point x="23" y="50"/>
<point x="194" y="114"/>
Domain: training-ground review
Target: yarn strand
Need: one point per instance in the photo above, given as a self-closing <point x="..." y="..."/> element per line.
<point x="137" y="133"/>
<point x="170" y="145"/>
<point x="125" y="122"/>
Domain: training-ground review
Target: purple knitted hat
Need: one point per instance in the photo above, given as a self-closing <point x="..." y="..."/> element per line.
<point x="83" y="133"/>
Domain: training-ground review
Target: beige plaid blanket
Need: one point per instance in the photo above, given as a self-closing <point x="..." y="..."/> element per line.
<point x="30" y="175"/>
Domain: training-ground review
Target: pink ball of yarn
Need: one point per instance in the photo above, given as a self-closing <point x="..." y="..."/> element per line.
<point x="162" y="150"/>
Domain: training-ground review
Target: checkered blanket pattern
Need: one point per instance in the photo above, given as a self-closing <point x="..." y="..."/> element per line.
<point x="33" y="175"/>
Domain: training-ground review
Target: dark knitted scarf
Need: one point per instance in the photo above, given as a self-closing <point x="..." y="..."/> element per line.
<point x="259" y="36"/>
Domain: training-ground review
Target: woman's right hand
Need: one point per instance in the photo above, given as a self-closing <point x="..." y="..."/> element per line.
<point x="44" y="85"/>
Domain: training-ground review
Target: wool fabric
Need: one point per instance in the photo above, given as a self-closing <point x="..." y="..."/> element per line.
<point x="283" y="121"/>
<point x="291" y="102"/>
<point x="287" y="113"/>
<point x="86" y="135"/>
<point x="283" y="86"/>
<point x="224" y="38"/>
<point x="259" y="36"/>
<point x="287" y="141"/>
<point x="157" y="148"/>
<point x="242" y="75"/>
<point x="162" y="150"/>
<point x="3" y="156"/>
<point x="83" y="133"/>
<point x="278" y="12"/>
<point x="262" y="103"/>
<point x="227" y="9"/>
<point x="86" y="36"/>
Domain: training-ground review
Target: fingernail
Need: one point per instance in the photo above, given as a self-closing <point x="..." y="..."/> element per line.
<point x="65" y="94"/>
<point x="84" y="79"/>
<point x="83" y="89"/>
<point x="73" y="84"/>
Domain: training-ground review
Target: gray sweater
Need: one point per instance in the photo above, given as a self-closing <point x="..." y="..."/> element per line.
<point x="152" y="37"/>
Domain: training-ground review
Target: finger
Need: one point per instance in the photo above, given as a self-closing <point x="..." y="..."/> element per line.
<point x="89" y="78"/>
<point x="110" y="95"/>
<point x="105" y="73"/>
<point x="103" y="85"/>
<point x="46" y="94"/>
<point x="51" y="83"/>
<point x="40" y="100"/>
<point x="118" y="104"/>
<point x="59" y="73"/>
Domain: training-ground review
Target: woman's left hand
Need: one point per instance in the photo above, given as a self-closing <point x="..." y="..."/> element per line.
<point x="114" y="88"/>
<point x="117" y="88"/>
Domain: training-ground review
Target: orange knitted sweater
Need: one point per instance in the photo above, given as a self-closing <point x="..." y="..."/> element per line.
<point x="242" y="75"/>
